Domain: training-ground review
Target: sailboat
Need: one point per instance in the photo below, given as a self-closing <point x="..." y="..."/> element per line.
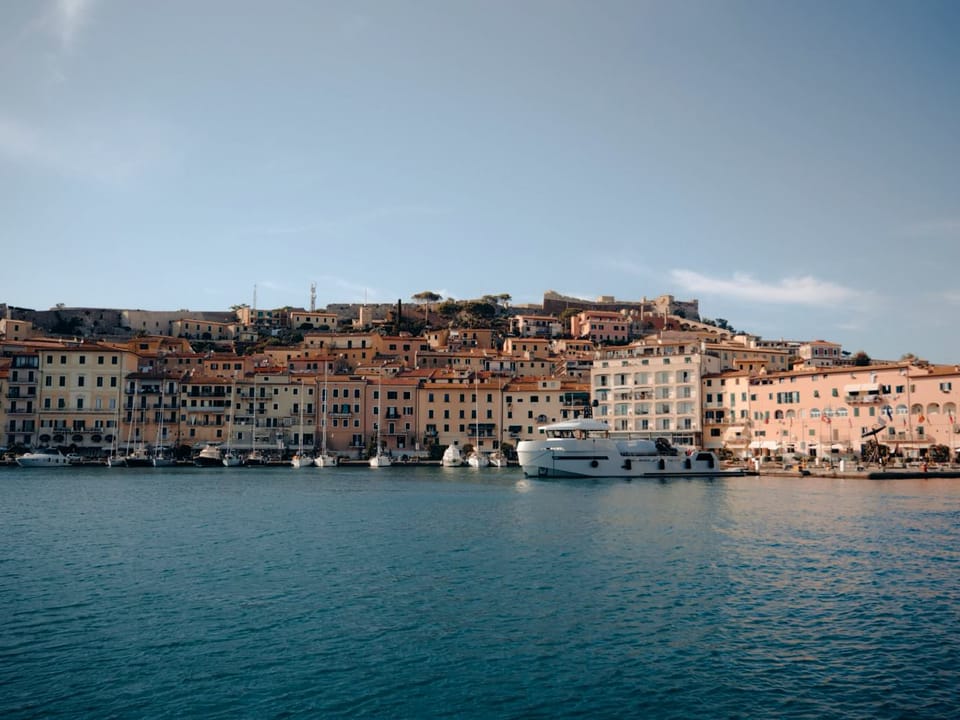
<point x="254" y="457"/>
<point x="324" y="459"/>
<point x="160" y="457"/>
<point x="497" y="457"/>
<point x="138" y="456"/>
<point x="381" y="459"/>
<point x="113" y="459"/>
<point x="229" y="457"/>
<point x="477" y="459"/>
<point x="300" y="460"/>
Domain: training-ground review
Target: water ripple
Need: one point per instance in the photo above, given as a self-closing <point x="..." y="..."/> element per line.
<point x="426" y="594"/>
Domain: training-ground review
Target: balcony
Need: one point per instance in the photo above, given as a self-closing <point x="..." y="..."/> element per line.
<point x="206" y="408"/>
<point x="858" y="399"/>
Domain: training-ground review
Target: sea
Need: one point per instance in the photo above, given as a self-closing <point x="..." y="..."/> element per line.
<point x="426" y="592"/>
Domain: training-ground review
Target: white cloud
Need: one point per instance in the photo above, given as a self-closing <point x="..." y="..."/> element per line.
<point x="67" y="18"/>
<point x="951" y="297"/>
<point x="787" y="291"/>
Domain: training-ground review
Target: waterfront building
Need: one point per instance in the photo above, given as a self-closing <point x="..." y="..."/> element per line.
<point x="394" y="413"/>
<point x="907" y="406"/>
<point x="347" y="421"/>
<point x="653" y="390"/>
<point x="205" y="407"/>
<point x="726" y="412"/>
<point x="530" y="402"/>
<point x="66" y="394"/>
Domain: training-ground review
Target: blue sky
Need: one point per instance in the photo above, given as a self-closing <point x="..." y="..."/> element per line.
<point x="793" y="165"/>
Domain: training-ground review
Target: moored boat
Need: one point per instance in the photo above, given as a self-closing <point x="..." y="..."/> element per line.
<point x="584" y="448"/>
<point x="254" y="458"/>
<point x="43" y="458"/>
<point x="498" y="459"/>
<point x="138" y="457"/>
<point x="452" y="457"/>
<point x="209" y="456"/>
<point x="381" y="459"/>
<point x="325" y="460"/>
<point x="477" y="459"/>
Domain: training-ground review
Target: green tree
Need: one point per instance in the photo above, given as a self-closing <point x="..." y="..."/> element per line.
<point x="861" y="359"/>
<point x="449" y="309"/>
<point x="425" y="298"/>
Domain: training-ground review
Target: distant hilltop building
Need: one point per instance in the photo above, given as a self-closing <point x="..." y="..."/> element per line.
<point x="554" y="303"/>
<point x="100" y="322"/>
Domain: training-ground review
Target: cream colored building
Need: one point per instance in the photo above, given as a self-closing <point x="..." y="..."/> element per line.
<point x="66" y="395"/>
<point x="652" y="391"/>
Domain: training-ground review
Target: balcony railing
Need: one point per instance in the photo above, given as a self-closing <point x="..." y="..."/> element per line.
<point x="863" y="399"/>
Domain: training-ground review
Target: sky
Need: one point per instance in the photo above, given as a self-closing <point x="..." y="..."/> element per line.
<point x="794" y="166"/>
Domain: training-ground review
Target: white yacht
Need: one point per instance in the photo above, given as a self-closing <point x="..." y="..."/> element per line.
<point x="584" y="448"/>
<point x="209" y="456"/>
<point x="43" y="458"/>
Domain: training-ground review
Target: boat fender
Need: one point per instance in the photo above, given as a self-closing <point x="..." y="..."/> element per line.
<point x="594" y="463"/>
<point x="687" y="463"/>
<point x="662" y="464"/>
<point x="627" y="464"/>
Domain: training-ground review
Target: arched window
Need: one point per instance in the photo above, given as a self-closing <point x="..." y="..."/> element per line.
<point x="901" y="409"/>
<point x="933" y="409"/>
<point x="815" y="413"/>
<point x="778" y="415"/>
<point x="842" y="412"/>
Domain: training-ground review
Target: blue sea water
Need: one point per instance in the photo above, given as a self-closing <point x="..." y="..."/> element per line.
<point x="424" y="592"/>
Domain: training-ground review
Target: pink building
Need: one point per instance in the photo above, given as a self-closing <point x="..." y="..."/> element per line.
<point x="600" y="326"/>
<point x="818" y="411"/>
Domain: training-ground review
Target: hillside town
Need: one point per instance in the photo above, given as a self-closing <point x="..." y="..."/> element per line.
<point x="418" y="376"/>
